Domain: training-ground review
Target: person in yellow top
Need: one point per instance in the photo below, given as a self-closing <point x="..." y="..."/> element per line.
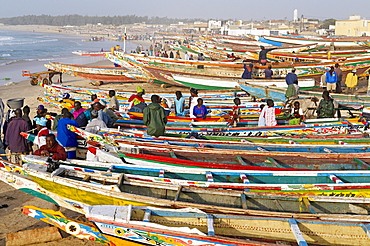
<point x="351" y="81"/>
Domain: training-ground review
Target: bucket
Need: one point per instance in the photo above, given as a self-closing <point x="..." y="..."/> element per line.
<point x="15" y="103"/>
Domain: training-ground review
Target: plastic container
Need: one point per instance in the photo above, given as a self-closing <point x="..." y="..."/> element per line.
<point x="15" y="103"/>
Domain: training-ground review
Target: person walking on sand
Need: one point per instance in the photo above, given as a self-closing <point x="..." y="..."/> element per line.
<point x="155" y="118"/>
<point x="351" y="82"/>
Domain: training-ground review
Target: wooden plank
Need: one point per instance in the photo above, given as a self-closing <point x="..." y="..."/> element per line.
<point x="297" y="233"/>
<point x="35" y="236"/>
<point x="240" y="160"/>
<point x="244" y="201"/>
<point x="359" y="161"/>
<point x="366" y="228"/>
<point x="211" y="230"/>
<point x="178" y="193"/>
<point x="308" y="205"/>
<point x="147" y="215"/>
<point x="172" y="154"/>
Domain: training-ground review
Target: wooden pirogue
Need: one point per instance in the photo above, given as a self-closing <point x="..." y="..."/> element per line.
<point x="166" y="227"/>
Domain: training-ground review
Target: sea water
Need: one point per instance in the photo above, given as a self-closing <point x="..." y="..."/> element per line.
<point x="29" y="51"/>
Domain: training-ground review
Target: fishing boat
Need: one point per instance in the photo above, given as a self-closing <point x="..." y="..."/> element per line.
<point x="111" y="74"/>
<point x="204" y="83"/>
<point x="148" y="225"/>
<point x="278" y="94"/>
<point x="90" y="53"/>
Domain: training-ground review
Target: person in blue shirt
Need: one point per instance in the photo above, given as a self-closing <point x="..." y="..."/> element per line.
<point x="331" y="79"/>
<point x="200" y="111"/>
<point x="65" y="137"/>
<point x="247" y="74"/>
<point x="291" y="77"/>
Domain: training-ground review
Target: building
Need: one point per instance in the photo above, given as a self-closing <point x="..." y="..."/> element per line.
<point x="295" y="15"/>
<point x="354" y="26"/>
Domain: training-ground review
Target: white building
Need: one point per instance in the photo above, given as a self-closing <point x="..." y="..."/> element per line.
<point x="295" y="15"/>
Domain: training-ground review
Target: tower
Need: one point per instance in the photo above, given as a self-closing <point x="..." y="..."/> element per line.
<point x="295" y="15"/>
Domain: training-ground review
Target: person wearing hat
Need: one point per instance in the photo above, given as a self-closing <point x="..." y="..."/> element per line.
<point x="43" y="131"/>
<point x="41" y="113"/>
<point x="108" y="111"/>
<point x="351" y="81"/>
<point x="95" y="124"/>
<point x="102" y="115"/>
<point x="67" y="100"/>
<point x="138" y="98"/>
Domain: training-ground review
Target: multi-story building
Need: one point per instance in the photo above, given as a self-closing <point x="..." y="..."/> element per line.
<point x="355" y="26"/>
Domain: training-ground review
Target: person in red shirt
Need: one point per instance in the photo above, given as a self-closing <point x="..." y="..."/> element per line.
<point x="52" y="149"/>
<point x="138" y="98"/>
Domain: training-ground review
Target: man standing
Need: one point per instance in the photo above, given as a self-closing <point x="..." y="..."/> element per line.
<point x="17" y="143"/>
<point x="351" y="82"/>
<point x="291" y="77"/>
<point x="331" y="79"/>
<point x="268" y="72"/>
<point x="155" y="118"/>
<point x="65" y="137"/>
<point x="113" y="103"/>
<point x="339" y="73"/>
<point x="262" y="57"/>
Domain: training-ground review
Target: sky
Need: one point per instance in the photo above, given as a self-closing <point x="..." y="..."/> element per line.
<point x="207" y="9"/>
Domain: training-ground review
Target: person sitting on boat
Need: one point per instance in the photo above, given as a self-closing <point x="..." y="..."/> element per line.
<point x="81" y="115"/>
<point x="113" y="103"/>
<point x="232" y="56"/>
<point x="269" y="113"/>
<point x="95" y="124"/>
<point x="43" y="131"/>
<point x="193" y="101"/>
<point x="291" y="77"/>
<point x="262" y="56"/>
<point x="179" y="104"/>
<point x="52" y="149"/>
<point x="200" y="110"/>
<point x="178" y="56"/>
<point x="247" y="74"/>
<point x="268" y="72"/>
<point x="155" y="118"/>
<point x="331" y="79"/>
<point x="201" y="57"/>
<point x="296" y="114"/>
<point x="165" y="105"/>
<point x="292" y="91"/>
<point x="186" y="57"/>
<point x="326" y="106"/>
<point x="98" y="106"/>
<point x="235" y="112"/>
<point x="191" y="57"/>
<point x="138" y="98"/>
<point x="351" y="82"/>
<point x="67" y="100"/>
<point x="171" y="54"/>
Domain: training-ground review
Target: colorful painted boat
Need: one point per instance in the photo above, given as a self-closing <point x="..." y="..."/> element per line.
<point x="204" y="83"/>
<point x="90" y="53"/>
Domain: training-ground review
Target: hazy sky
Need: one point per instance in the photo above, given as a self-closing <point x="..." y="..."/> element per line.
<point x="217" y="9"/>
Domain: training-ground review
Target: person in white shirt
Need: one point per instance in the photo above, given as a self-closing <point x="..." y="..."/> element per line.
<point x="95" y="124"/>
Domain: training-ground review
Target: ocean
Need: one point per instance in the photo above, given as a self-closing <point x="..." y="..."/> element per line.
<point x="29" y="51"/>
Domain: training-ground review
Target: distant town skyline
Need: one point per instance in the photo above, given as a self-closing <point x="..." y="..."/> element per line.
<point x="206" y="9"/>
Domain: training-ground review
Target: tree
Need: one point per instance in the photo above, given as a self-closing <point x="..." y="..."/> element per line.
<point x="326" y="23"/>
